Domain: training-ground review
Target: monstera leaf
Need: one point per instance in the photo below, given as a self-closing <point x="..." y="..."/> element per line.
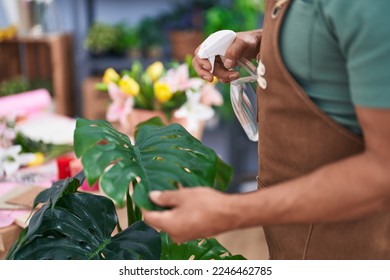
<point x="200" y="249"/>
<point x="74" y="225"/>
<point x="162" y="158"/>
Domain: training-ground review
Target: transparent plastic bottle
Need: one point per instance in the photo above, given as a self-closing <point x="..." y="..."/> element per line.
<point x="244" y="100"/>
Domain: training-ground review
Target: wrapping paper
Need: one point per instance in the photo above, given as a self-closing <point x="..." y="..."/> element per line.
<point x="24" y="104"/>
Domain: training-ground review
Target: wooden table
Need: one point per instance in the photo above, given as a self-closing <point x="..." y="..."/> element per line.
<point x="8" y="236"/>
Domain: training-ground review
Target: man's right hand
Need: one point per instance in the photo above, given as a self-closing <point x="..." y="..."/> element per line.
<point x="246" y="45"/>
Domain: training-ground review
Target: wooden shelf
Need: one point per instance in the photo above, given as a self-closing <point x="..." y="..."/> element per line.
<point x="48" y="57"/>
<point x="95" y="103"/>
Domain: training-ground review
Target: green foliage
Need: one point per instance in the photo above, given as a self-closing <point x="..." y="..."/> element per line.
<point x="161" y="159"/>
<point x="200" y="249"/>
<point x="202" y="15"/>
<point x="149" y="33"/>
<point x="78" y="226"/>
<point x="127" y="38"/>
<point x="101" y="38"/>
<point x="74" y="225"/>
<point x="20" y="84"/>
<point x="50" y="150"/>
<point x="116" y="38"/>
<point x="236" y="15"/>
<point x="186" y="15"/>
<point x="16" y="85"/>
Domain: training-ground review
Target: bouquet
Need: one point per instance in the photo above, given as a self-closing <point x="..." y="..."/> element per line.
<point x="176" y="91"/>
<point x="18" y="151"/>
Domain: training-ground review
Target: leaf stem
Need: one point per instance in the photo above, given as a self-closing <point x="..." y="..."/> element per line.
<point x="131" y="215"/>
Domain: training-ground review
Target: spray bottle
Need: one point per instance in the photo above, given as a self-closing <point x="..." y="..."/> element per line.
<point x="216" y="45"/>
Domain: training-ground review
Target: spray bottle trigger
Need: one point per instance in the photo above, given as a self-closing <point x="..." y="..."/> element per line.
<point x="212" y="60"/>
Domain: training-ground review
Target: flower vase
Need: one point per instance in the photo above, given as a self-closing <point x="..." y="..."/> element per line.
<point x="140" y="115"/>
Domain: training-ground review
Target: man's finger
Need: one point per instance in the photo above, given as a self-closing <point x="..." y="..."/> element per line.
<point x="203" y="63"/>
<point x="165" y="198"/>
<point x="233" y="53"/>
<point x="202" y="67"/>
<point x="155" y="219"/>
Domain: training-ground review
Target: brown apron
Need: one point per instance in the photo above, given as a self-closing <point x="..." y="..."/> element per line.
<point x="295" y="138"/>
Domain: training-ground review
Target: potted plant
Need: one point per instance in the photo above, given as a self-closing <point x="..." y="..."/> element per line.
<point x="184" y="26"/>
<point x="14" y="86"/>
<point x="150" y="37"/>
<point x="175" y="94"/>
<point x="76" y="225"/>
<point x="101" y="38"/>
<point x="128" y="40"/>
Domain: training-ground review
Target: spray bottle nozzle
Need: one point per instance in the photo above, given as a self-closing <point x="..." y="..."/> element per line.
<point x="216" y="44"/>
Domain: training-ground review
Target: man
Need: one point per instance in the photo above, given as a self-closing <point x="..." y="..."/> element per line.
<point x="324" y="136"/>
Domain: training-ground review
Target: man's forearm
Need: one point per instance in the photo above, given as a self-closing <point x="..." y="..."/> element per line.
<point x="351" y="188"/>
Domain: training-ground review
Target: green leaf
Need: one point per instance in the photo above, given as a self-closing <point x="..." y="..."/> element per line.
<point x="200" y="249"/>
<point x="74" y="225"/>
<point x="162" y="158"/>
<point x="223" y="176"/>
<point x="80" y="227"/>
<point x="86" y="138"/>
<point x="58" y="189"/>
<point x="156" y="121"/>
<point x="50" y="197"/>
<point x="101" y="87"/>
<point x="50" y="150"/>
<point x="139" y="238"/>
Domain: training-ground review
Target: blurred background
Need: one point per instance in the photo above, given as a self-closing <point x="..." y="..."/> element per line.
<point x="66" y="45"/>
<point x="63" y="48"/>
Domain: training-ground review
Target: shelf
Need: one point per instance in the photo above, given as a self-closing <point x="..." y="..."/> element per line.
<point x="97" y="64"/>
<point x="46" y="57"/>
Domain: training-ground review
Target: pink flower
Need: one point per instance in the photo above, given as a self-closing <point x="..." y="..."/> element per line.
<point x="122" y="104"/>
<point x="210" y="95"/>
<point x="179" y="80"/>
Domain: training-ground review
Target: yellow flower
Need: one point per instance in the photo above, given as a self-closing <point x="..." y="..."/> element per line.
<point x="129" y="86"/>
<point x="2" y="35"/>
<point x="38" y="160"/>
<point x="162" y="92"/>
<point x="214" y="81"/>
<point x="110" y="75"/>
<point x="10" y="32"/>
<point x="155" y="70"/>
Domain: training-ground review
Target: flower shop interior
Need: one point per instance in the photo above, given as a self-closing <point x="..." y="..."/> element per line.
<point x="118" y="61"/>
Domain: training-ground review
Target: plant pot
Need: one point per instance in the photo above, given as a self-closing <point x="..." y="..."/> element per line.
<point x="139" y="115"/>
<point x="184" y="43"/>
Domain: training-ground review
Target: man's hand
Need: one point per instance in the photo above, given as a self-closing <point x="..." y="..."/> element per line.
<point x="351" y="188"/>
<point x="246" y="45"/>
<point x="195" y="213"/>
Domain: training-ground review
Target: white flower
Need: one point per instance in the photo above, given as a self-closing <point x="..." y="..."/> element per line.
<point x="7" y="134"/>
<point x="210" y="95"/>
<point x="11" y="160"/>
<point x="194" y="111"/>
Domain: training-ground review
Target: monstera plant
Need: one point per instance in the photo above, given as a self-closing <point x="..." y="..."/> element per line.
<point x="77" y="225"/>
